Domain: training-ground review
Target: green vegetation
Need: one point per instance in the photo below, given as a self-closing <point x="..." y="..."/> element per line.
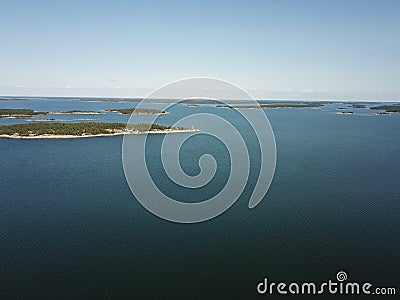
<point x="77" y="129"/>
<point x="77" y="112"/>
<point x="19" y="113"/>
<point x="128" y="111"/>
<point x="388" y="108"/>
<point x="27" y="113"/>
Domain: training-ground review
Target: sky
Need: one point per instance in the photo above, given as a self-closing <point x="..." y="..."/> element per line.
<point x="325" y="50"/>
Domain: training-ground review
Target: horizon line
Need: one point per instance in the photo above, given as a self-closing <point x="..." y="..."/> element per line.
<point x="171" y="98"/>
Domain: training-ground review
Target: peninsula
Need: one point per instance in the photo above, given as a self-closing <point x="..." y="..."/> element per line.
<point x="80" y="130"/>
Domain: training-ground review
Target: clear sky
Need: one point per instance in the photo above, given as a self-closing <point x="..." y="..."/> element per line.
<point x="339" y="49"/>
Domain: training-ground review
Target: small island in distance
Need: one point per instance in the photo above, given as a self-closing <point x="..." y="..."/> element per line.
<point x="276" y="105"/>
<point x="27" y="113"/>
<point x="137" y="111"/>
<point x="86" y="129"/>
<point x="388" y="108"/>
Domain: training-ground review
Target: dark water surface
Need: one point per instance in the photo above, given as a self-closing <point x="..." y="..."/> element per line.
<point x="70" y="226"/>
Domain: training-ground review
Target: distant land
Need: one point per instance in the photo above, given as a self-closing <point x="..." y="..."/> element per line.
<point x="137" y="111"/>
<point x="276" y="105"/>
<point x="381" y="108"/>
<point x="191" y="101"/>
<point x="27" y="113"/>
<point x="388" y="108"/>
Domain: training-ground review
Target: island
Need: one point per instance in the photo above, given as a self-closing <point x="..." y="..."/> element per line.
<point x="85" y="129"/>
<point x="137" y="111"/>
<point x="357" y="106"/>
<point x="395" y="108"/>
<point x="345" y="113"/>
<point x="75" y="112"/>
<point x="19" y="113"/>
<point x="199" y="101"/>
<point x="275" y="105"/>
<point x="28" y="113"/>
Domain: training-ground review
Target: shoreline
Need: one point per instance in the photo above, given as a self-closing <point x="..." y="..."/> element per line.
<point x="97" y="135"/>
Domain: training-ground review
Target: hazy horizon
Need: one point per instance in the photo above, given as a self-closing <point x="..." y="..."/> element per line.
<point x="103" y="96"/>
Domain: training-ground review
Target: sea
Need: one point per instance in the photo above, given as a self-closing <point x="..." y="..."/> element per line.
<point x="70" y="227"/>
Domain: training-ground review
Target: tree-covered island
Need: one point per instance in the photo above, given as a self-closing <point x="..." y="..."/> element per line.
<point x="276" y="105"/>
<point x="388" y="108"/>
<point x="19" y="113"/>
<point x="28" y="113"/>
<point x="137" y="111"/>
<point x="75" y="112"/>
<point x="86" y="129"/>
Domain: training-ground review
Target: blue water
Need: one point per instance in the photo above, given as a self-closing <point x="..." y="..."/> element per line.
<point x="70" y="226"/>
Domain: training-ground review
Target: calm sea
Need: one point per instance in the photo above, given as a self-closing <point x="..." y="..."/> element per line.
<point x="70" y="226"/>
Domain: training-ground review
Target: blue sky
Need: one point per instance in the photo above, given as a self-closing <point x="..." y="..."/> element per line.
<point x="274" y="49"/>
